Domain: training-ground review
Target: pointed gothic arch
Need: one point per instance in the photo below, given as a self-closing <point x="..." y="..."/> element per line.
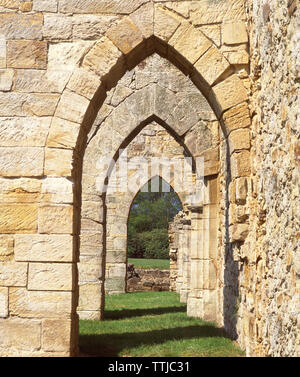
<point x="123" y="46"/>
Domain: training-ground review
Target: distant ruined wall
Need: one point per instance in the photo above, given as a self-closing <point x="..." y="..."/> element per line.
<point x="179" y="246"/>
<point x="145" y="280"/>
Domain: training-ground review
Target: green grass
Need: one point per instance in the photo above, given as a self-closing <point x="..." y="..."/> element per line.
<point x="152" y="324"/>
<point x="161" y="264"/>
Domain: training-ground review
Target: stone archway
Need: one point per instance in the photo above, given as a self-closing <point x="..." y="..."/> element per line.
<point x="51" y="173"/>
<point x="136" y="95"/>
<point x="118" y="203"/>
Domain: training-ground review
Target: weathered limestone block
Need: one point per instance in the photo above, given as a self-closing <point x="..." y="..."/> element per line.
<point x="21" y="26"/>
<point x="24" y="132"/>
<point x="212" y="65"/>
<point x="3" y="302"/>
<point x="232" y="191"/>
<point x="207" y="12"/>
<point x="6" y="79"/>
<point x="241" y="190"/>
<point x="57" y="190"/>
<point x="238" y="232"/>
<point x="90" y="268"/>
<point x="116" y="270"/>
<point x="3" y="53"/>
<point x="143" y="18"/>
<point x="92" y="211"/>
<point x="55" y="219"/>
<point x="183" y="117"/>
<point x="23" y="104"/>
<point x="229" y="93"/>
<point x="18" y="218"/>
<point x="56" y="335"/>
<point x="211" y="161"/>
<point x="241" y="214"/>
<point x="27" y="54"/>
<point x="72" y="107"/>
<point x="43" y="248"/>
<point x="237" y="57"/>
<point x="115" y="285"/>
<point x="45" y="5"/>
<point x="19" y="335"/>
<point x="161" y="108"/>
<point x="84" y="83"/>
<point x="6" y="248"/>
<point x="87" y="294"/>
<point x="91" y="244"/>
<point x="63" y="134"/>
<point x="19" y="190"/>
<point x="90" y="226"/>
<point x="58" y="162"/>
<point x="191" y="44"/>
<point x="234" y="33"/>
<point x="34" y="304"/>
<point x="239" y="139"/>
<point x="125" y="35"/>
<point x="240" y="164"/>
<point x="10" y="4"/>
<point x="40" y="104"/>
<point x="40" y="81"/>
<point x="65" y="56"/>
<point x="297" y="262"/>
<point x="25" y="6"/>
<point x="116" y="256"/>
<point x="210" y="301"/>
<point x="213" y="32"/>
<point x="99" y="6"/>
<point x="120" y="94"/>
<point x="91" y="26"/>
<point x="13" y="274"/>
<point x="105" y="58"/>
<point x="119" y="243"/>
<point x="57" y="27"/>
<point x="165" y="24"/>
<point x="237" y="117"/>
<point x="51" y="276"/>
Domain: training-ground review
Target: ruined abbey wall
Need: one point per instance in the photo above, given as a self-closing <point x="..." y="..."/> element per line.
<point x="59" y="59"/>
<point x="274" y="29"/>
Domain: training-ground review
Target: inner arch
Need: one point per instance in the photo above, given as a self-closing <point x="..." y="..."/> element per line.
<point x="152" y="142"/>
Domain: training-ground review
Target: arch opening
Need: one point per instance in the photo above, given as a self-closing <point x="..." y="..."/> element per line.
<point x="123" y="139"/>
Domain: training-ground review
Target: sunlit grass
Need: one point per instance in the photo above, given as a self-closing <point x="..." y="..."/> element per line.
<point x="161" y="264"/>
<point x="152" y="324"/>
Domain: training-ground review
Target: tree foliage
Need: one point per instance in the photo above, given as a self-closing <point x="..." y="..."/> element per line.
<point x="148" y="222"/>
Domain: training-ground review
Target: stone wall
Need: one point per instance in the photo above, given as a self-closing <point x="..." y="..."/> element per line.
<point x="179" y="241"/>
<point x="59" y="59"/>
<point x="275" y="203"/>
<point x="146" y="280"/>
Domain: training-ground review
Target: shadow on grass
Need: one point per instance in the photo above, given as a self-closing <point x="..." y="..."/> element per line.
<point x="129" y="313"/>
<point x="110" y="345"/>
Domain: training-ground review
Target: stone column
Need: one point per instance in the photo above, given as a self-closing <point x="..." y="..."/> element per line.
<point x="116" y="246"/>
<point x="202" y="298"/>
<point x="186" y="265"/>
<point x="173" y="257"/>
<point x="90" y="266"/>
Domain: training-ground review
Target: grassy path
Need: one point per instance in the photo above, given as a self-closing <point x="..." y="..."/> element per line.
<point x="152" y="324"/>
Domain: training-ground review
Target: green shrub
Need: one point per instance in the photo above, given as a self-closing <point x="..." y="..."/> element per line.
<point x="155" y="244"/>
